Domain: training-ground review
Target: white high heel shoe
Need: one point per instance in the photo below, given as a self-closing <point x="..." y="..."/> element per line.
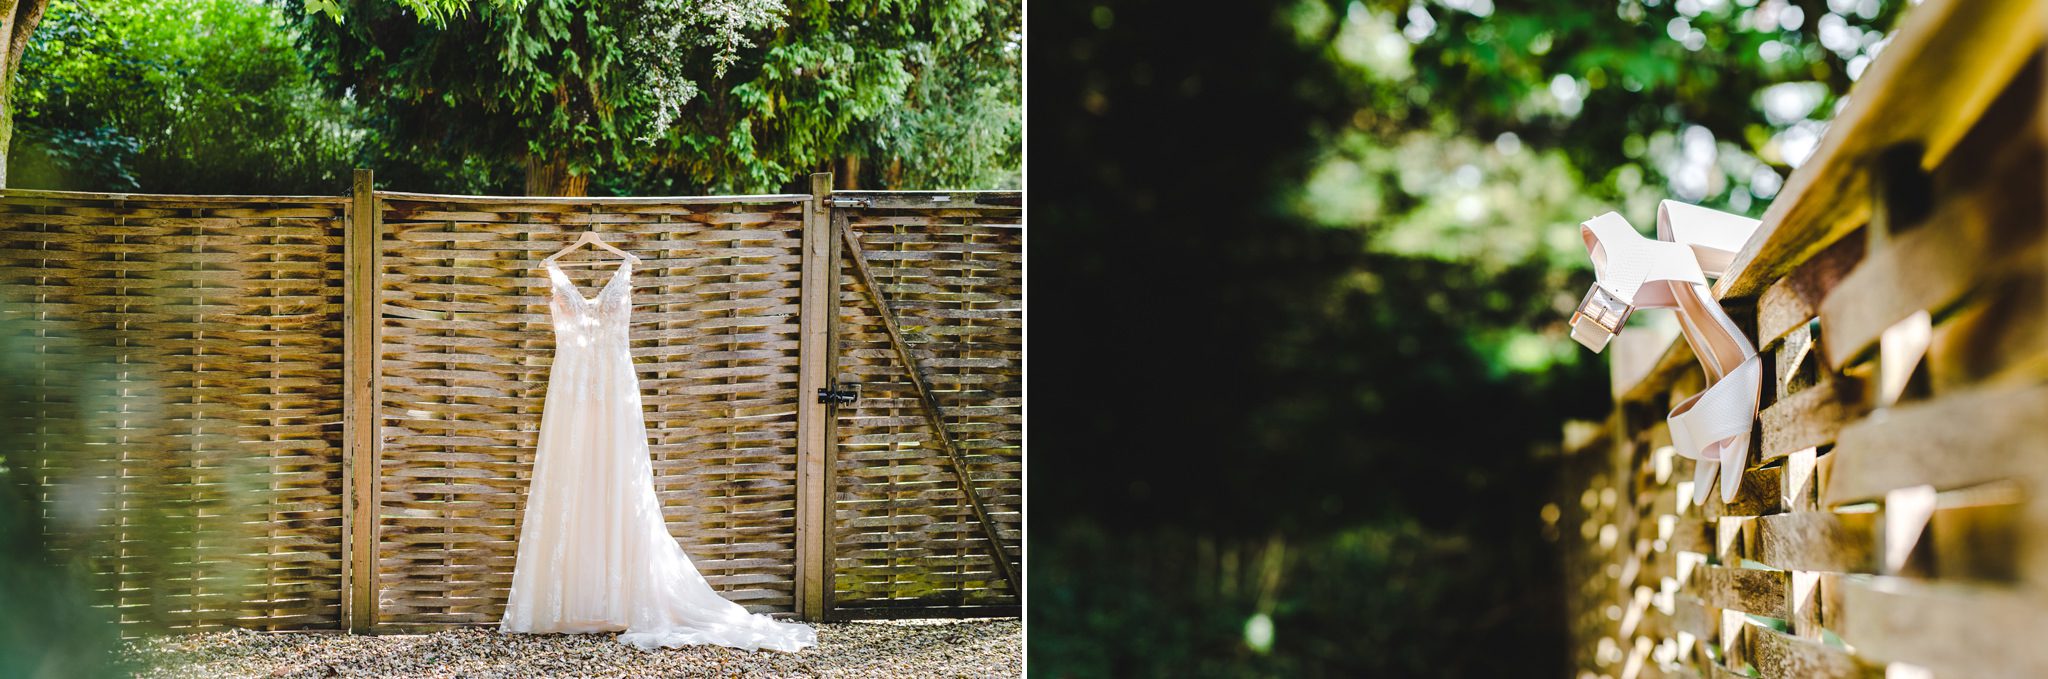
<point x="1637" y="272"/>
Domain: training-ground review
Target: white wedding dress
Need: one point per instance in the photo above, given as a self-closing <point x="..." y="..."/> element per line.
<point x="594" y="552"/>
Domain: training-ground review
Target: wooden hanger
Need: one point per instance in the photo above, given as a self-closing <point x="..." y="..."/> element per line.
<point x="589" y="238"/>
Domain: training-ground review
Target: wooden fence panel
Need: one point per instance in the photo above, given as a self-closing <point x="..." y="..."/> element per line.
<point x="466" y="349"/>
<point x="907" y="539"/>
<point x="189" y="426"/>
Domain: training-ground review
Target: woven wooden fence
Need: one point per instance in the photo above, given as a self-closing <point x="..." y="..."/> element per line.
<point x="187" y="411"/>
<point x="464" y="355"/>
<point x="1894" y="518"/>
<point x="345" y="392"/>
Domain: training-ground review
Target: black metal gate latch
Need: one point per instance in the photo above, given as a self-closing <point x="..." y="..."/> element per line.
<point x="844" y="396"/>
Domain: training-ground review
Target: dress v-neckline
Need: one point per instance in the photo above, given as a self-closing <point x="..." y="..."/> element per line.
<point x="556" y="273"/>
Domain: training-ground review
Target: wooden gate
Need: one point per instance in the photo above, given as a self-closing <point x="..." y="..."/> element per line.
<point x="926" y="401"/>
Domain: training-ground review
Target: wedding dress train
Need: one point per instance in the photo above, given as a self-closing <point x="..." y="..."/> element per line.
<point x="595" y="554"/>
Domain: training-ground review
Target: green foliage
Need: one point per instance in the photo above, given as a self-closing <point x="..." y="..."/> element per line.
<point x="101" y="158"/>
<point x="795" y="111"/>
<point x="959" y="126"/>
<point x="928" y="93"/>
<point x="675" y="96"/>
<point x="641" y="96"/>
<point x="544" y="77"/>
<point x="203" y="96"/>
<point x="435" y="12"/>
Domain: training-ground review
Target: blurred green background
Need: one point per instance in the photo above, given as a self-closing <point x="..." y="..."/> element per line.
<point x="1302" y="275"/>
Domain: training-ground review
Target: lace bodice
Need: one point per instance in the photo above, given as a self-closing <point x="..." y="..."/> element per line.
<point x="586" y="322"/>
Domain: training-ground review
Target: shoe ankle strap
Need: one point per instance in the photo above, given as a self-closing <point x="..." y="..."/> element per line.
<point x="1632" y="259"/>
<point x="1623" y="260"/>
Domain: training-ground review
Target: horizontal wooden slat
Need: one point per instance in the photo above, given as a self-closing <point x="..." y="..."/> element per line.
<point x="1793" y="300"/>
<point x="1758" y="592"/>
<point x="1819" y="541"/>
<point x="1759" y="495"/>
<point x="932" y="200"/>
<point x="1962" y="440"/>
<point x="1809" y="418"/>
<point x="1777" y="654"/>
<point x="1956" y="631"/>
<point x="2001" y="336"/>
<point x="112" y="202"/>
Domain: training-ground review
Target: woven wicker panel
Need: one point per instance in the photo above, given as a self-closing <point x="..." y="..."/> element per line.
<point x="187" y="410"/>
<point x="904" y="535"/>
<point x="465" y="352"/>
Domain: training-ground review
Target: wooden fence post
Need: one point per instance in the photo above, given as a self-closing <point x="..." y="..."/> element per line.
<point x="819" y="307"/>
<point x="360" y="254"/>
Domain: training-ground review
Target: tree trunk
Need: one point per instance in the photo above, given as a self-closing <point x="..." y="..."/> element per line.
<point x="6" y="127"/>
<point x="849" y="173"/>
<point x="18" y="19"/>
<point x="549" y="175"/>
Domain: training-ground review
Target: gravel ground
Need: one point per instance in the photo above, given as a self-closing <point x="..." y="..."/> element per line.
<point x="896" y="648"/>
